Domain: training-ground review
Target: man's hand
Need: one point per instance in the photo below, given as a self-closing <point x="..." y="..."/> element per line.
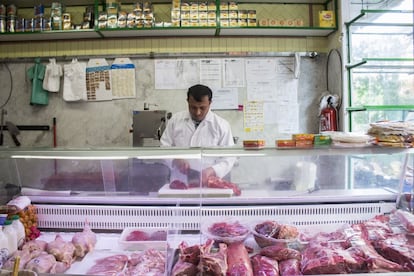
<point x="182" y="165"/>
<point x="207" y="172"/>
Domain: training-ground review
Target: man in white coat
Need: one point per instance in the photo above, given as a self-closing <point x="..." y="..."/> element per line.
<point x="199" y="127"/>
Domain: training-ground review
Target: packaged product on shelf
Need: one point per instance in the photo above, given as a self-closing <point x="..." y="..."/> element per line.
<point x="19" y="229"/>
<point x="9" y="232"/>
<point x="326" y="19"/>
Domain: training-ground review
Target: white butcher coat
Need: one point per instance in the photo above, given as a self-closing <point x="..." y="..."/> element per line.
<point x="213" y="131"/>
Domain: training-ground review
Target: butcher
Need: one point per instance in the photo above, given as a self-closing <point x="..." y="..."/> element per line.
<point x="199" y="126"/>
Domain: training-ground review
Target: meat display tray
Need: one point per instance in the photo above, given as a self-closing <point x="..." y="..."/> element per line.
<point x="165" y="191"/>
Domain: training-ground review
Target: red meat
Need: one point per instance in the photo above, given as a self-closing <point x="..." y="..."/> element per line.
<point x="178" y="185"/>
<point x="264" y="266"/>
<point x="219" y="183"/>
<point x="280" y="252"/>
<point x="137" y="235"/>
<point x="238" y="260"/>
<point x="290" y="267"/>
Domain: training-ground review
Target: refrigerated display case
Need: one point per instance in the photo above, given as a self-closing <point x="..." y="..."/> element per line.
<point x="112" y="189"/>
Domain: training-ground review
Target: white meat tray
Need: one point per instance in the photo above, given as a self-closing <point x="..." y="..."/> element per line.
<point x="165" y="191"/>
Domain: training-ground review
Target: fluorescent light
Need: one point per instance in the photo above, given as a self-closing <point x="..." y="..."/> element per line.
<point x="170" y="156"/>
<point x="232" y="154"/>
<point x="70" y="157"/>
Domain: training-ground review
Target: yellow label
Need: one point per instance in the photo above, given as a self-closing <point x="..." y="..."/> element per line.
<point x="326" y="19"/>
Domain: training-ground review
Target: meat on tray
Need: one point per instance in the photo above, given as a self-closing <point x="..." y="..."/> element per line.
<point x="238" y="260"/>
<point x="228" y="229"/>
<point x="111" y="265"/>
<point x="263" y="265"/>
<point x="212" y="182"/>
<point x="406" y="219"/>
<point x="84" y="241"/>
<point x="138" y="235"/>
<point x="213" y="262"/>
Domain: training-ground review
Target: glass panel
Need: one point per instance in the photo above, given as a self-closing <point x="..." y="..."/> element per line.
<point x="379" y="171"/>
<point x="383" y="83"/>
<point x="361" y="120"/>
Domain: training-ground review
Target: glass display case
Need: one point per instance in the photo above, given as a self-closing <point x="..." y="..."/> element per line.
<point x="145" y="176"/>
<point x="142" y="190"/>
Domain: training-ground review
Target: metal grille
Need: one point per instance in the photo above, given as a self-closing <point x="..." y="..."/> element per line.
<point x="189" y="218"/>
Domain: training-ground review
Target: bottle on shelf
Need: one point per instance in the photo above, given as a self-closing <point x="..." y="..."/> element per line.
<point x="4" y="247"/>
<point x="9" y="232"/>
<point x="19" y="228"/>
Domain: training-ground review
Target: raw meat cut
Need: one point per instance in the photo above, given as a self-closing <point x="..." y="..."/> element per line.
<point x="228" y="230"/>
<point x="397" y="249"/>
<point x="329" y="257"/>
<point x="25" y="257"/>
<point x="288" y="232"/>
<point x="268" y="228"/>
<point x="84" y="241"/>
<point x="151" y="262"/>
<point x="177" y="184"/>
<point x="190" y="254"/>
<point x="374" y="261"/>
<point x="35" y="245"/>
<point x="61" y="249"/>
<point x="406" y="219"/>
<point x="280" y="252"/>
<point x="290" y="267"/>
<point x="182" y="268"/>
<point x="264" y="266"/>
<point x="238" y="261"/>
<point x="188" y="259"/>
<point x="111" y="265"/>
<point x="219" y="183"/>
<point x="42" y="263"/>
<point x="137" y="235"/>
<point x="213" y="263"/>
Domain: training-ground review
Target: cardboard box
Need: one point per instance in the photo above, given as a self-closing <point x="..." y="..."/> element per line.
<point x="326" y="19"/>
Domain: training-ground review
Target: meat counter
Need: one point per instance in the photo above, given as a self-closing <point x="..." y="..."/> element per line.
<point x="116" y="189"/>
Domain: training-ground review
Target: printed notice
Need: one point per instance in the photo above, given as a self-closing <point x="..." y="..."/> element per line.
<point x="253" y="116"/>
<point x="225" y="98"/>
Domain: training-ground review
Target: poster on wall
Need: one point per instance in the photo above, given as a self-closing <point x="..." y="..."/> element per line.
<point x="225" y="98"/>
<point x="253" y="116"/>
<point x="176" y="73"/>
<point x="233" y="73"/>
<point x="98" y="80"/>
<point x="210" y="73"/>
<point x="123" y="78"/>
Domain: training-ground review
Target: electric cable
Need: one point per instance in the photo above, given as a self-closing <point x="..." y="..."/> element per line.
<point x="11" y="85"/>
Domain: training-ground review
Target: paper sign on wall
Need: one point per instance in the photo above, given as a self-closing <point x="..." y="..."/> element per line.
<point x="98" y="80"/>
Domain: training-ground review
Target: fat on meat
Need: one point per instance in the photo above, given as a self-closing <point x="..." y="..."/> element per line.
<point x="190" y="254"/>
<point x="151" y="262"/>
<point x="280" y="252"/>
<point x="84" y="241"/>
<point x="112" y="265"/>
<point x="213" y="263"/>
<point x="188" y="259"/>
<point x="406" y="219"/>
<point x="182" y="268"/>
<point x="61" y="249"/>
<point x="290" y="267"/>
<point x="264" y="266"/>
<point x="374" y="261"/>
<point x="219" y="183"/>
<point x="42" y="263"/>
<point x="238" y="260"/>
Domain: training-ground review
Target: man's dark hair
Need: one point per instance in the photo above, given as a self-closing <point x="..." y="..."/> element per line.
<point x="198" y="91"/>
